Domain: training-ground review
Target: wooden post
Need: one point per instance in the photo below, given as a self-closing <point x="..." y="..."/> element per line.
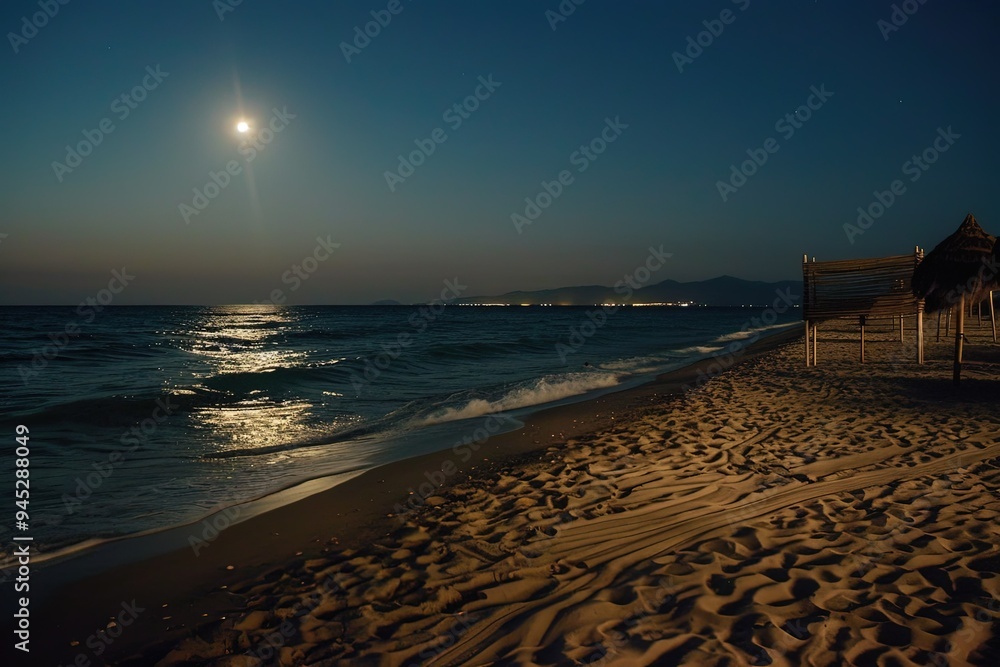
<point x="993" y="318"/>
<point x="808" y="358"/>
<point x="805" y="304"/>
<point x="902" y="329"/>
<point x="862" y="322"/>
<point x="920" y="332"/>
<point x="918" y="257"/>
<point x="815" y="345"/>
<point x="940" y="315"/>
<point x="959" y="338"/>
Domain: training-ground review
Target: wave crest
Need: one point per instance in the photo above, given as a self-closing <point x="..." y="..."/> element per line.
<point x="544" y="390"/>
<point x="743" y="335"/>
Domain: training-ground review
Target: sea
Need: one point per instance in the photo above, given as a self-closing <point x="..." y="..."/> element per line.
<point x="144" y="418"/>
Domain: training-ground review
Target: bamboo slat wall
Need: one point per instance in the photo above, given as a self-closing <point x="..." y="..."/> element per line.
<point x="879" y="286"/>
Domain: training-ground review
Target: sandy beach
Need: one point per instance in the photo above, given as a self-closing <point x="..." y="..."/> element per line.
<point x="500" y="334"/>
<point x="776" y="514"/>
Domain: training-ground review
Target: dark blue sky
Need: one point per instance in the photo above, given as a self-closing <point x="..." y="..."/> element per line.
<point x="323" y="174"/>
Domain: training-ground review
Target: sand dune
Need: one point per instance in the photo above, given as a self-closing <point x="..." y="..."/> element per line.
<point x="844" y="514"/>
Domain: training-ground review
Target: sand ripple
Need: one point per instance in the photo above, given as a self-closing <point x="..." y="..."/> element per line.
<point x="777" y="515"/>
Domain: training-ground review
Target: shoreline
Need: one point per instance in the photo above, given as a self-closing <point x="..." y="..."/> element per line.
<point x="192" y="585"/>
<point x="297" y="490"/>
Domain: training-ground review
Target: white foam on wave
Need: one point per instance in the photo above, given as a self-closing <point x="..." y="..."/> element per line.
<point x="544" y="390"/>
<point x="749" y="333"/>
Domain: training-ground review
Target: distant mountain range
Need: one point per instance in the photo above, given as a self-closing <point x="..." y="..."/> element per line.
<point x="721" y="291"/>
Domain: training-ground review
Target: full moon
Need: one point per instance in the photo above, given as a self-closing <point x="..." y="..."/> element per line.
<point x="242" y="126"/>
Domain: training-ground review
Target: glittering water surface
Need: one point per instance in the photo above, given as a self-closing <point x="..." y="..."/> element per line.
<point x="150" y="416"/>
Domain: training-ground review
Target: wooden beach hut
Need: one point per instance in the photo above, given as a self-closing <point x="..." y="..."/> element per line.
<point x="961" y="269"/>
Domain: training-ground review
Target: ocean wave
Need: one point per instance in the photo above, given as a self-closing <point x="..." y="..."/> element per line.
<point x="472" y="350"/>
<point x="749" y="333"/>
<point x="119" y="410"/>
<point x="544" y="390"/>
<point x="102" y="351"/>
<point x="641" y="365"/>
<point x="349" y="433"/>
<point x="273" y="378"/>
<point x="485" y="350"/>
<point x="13" y="357"/>
<point x="325" y="334"/>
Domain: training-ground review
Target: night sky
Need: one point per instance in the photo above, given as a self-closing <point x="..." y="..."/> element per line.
<point x="154" y="90"/>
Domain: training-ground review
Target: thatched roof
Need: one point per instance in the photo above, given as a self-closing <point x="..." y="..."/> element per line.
<point x="961" y="264"/>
